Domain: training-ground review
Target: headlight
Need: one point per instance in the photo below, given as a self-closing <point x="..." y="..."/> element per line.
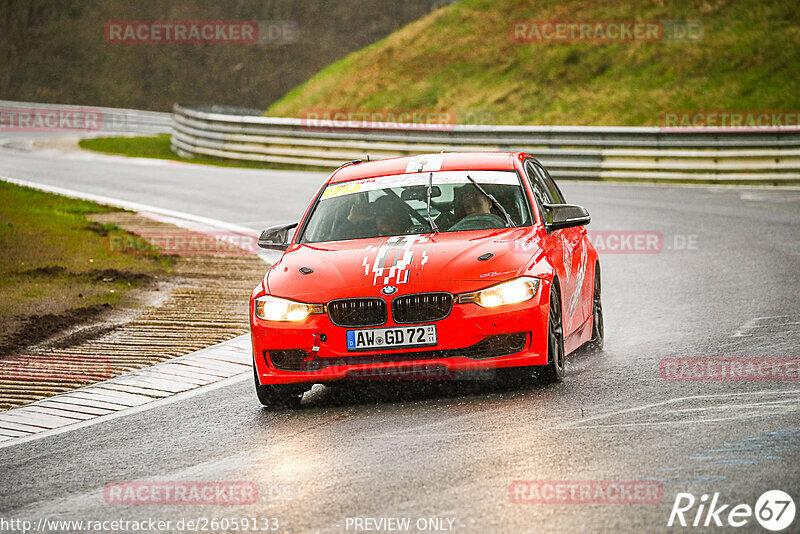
<point x="272" y="308"/>
<point x="510" y="292"/>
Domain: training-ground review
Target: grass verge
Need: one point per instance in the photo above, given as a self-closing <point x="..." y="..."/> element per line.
<point x="56" y="268"/>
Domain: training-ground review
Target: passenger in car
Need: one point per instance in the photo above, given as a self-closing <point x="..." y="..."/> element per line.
<point x="385" y="216"/>
<point x="391" y="216"/>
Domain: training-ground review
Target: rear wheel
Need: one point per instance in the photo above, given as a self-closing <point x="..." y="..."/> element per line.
<point x="598" y="333"/>
<point x="556" y="359"/>
<point x="279" y="395"/>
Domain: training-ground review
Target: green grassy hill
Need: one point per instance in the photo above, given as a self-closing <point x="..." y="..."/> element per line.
<point x="461" y="58"/>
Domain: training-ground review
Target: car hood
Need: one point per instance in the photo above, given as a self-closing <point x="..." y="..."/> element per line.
<point x="414" y="263"/>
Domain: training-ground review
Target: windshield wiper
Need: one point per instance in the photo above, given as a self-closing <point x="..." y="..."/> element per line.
<point x="430" y="219"/>
<point x="494" y="202"/>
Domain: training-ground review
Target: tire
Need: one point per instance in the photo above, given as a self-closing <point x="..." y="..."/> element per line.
<point x="280" y="395"/>
<point x="598" y="330"/>
<point x="556" y="359"/>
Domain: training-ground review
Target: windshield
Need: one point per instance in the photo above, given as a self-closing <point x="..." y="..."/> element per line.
<point x="398" y="205"/>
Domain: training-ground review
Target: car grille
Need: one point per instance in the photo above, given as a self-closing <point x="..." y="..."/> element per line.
<point x="357" y="312"/>
<point x="422" y="307"/>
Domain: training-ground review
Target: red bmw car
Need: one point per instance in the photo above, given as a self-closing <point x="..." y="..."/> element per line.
<point x="432" y="266"/>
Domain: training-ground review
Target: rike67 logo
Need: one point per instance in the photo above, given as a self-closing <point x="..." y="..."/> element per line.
<point x="774" y="510"/>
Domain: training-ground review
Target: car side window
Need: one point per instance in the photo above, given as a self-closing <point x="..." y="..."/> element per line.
<point x="555" y="192"/>
<point x="540" y="191"/>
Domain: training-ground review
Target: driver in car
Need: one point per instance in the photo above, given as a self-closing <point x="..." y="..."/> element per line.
<point x="477" y="211"/>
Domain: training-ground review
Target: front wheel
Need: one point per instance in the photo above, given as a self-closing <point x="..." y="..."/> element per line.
<point x="556" y="360"/>
<point x="279" y="395"/>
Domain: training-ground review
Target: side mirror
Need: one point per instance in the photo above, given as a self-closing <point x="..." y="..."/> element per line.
<point x="276" y="237"/>
<point x="559" y="216"/>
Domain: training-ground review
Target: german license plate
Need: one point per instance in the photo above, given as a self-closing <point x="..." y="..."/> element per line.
<point x="396" y="337"/>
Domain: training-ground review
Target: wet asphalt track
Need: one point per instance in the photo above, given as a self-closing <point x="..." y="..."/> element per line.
<point x="450" y="451"/>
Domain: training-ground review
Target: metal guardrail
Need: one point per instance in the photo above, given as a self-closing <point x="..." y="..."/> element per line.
<point x="111" y="119"/>
<point x="571" y="152"/>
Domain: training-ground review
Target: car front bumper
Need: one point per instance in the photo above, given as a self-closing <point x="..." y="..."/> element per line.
<point x="470" y="339"/>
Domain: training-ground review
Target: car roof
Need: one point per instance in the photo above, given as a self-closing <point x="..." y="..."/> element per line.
<point x="445" y="161"/>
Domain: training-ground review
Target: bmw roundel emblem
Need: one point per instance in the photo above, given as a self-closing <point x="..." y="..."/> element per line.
<point x="389" y="290"/>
